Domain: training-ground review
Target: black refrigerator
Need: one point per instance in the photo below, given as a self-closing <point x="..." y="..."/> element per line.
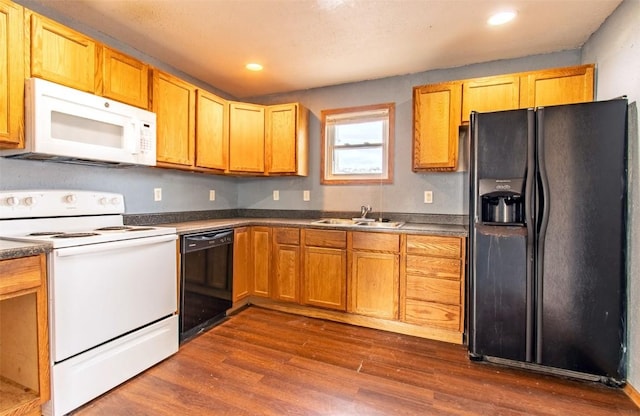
<point x="547" y="239"/>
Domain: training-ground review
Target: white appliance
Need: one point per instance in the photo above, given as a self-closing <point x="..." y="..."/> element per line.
<point x="66" y="125"/>
<point x="112" y="289"/>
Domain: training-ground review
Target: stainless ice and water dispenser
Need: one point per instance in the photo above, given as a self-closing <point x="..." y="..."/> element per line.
<point x="502" y="201"/>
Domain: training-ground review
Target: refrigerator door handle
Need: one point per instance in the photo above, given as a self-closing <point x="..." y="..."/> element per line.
<point x="529" y="212"/>
<point x="543" y="215"/>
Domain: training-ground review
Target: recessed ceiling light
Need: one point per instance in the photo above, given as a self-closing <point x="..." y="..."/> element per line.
<point x="501" y="18"/>
<point x="254" y="67"/>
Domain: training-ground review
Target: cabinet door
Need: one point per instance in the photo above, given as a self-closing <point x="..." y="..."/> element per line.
<point x="62" y="55"/>
<point x="436" y="116"/>
<point x="286" y="139"/>
<point x="324" y="278"/>
<point x="123" y="78"/>
<point x="373" y="284"/>
<point x="286" y="264"/>
<point x="246" y="138"/>
<point x="212" y="131"/>
<point x="242" y="262"/>
<point x="557" y="86"/>
<point x="490" y="94"/>
<point x="11" y="75"/>
<point x="261" y="248"/>
<point x="173" y="101"/>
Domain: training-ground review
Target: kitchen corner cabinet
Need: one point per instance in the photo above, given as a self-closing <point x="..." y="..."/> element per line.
<point x="212" y="131"/>
<point x="286" y="264"/>
<point x="286" y="139"/>
<point x="261" y="248"/>
<point x="246" y="138"/>
<point x="557" y="86"/>
<point x="173" y="101"/>
<point x="24" y="342"/>
<point x="373" y="274"/>
<point x="432" y="291"/>
<point x="61" y="55"/>
<point x="436" y="117"/>
<point x="242" y="263"/>
<point x="12" y="74"/>
<point x="123" y="78"/>
<point x="324" y="259"/>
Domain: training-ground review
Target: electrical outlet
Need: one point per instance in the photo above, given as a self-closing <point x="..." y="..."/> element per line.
<point x="276" y="195"/>
<point x="306" y="196"/>
<point x="157" y="194"/>
<point x="428" y="197"/>
<point x="212" y="195"/>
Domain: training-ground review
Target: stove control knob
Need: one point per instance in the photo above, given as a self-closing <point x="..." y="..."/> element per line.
<point x="12" y="201"/>
<point x="29" y="201"/>
<point x="115" y="201"/>
<point x="70" y="199"/>
<point x="104" y="201"/>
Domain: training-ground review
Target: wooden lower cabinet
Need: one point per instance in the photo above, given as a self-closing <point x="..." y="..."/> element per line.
<point x="242" y="260"/>
<point x="286" y="264"/>
<point x="261" y="248"/>
<point x="433" y="284"/>
<point x="324" y="272"/>
<point x="374" y="274"/>
<point x="24" y="340"/>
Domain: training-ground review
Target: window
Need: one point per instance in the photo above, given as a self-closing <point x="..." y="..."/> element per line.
<point x="357" y="144"/>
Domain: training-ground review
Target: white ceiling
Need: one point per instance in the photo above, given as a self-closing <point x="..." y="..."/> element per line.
<point x="314" y="43"/>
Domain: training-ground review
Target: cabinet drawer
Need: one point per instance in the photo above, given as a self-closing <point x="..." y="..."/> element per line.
<point x="325" y="238"/>
<point x="434" y="246"/>
<point x="286" y="236"/>
<point x="433" y="290"/>
<point x="434" y="267"/>
<point x="19" y="274"/>
<point x="432" y="314"/>
<point x="375" y="242"/>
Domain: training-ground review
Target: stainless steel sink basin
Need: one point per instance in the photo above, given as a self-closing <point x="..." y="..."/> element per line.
<point x="356" y="222"/>
<point x="377" y="224"/>
<point x="335" y="221"/>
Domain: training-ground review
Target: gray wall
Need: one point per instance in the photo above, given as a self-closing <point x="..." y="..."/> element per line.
<point x="615" y="48"/>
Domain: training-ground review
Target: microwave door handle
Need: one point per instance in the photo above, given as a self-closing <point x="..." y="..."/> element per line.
<point x="135" y="146"/>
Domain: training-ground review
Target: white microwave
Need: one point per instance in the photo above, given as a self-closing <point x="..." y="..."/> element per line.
<point x="66" y="125"/>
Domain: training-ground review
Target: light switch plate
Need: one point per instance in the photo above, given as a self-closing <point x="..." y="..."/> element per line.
<point x="306" y="195"/>
<point x="212" y="195"/>
<point x="276" y="195"/>
<point x="428" y="197"/>
<point x="157" y="194"/>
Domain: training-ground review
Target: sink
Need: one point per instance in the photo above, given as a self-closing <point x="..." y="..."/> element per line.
<point x="376" y="224"/>
<point x="357" y="222"/>
<point x="335" y="221"/>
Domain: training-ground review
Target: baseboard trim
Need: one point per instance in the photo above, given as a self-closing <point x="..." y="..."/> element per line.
<point x="632" y="393"/>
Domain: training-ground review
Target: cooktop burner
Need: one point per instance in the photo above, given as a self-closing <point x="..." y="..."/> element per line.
<point x="141" y="229"/>
<point x="114" y="228"/>
<point x="45" y="233"/>
<point x="74" y="235"/>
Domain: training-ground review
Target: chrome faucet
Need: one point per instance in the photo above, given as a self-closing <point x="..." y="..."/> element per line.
<point x="364" y="210"/>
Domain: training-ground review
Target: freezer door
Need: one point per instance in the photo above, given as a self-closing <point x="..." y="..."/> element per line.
<point x="582" y="241"/>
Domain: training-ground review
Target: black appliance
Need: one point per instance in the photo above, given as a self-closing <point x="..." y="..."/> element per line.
<point x="547" y="240"/>
<point x="206" y="280"/>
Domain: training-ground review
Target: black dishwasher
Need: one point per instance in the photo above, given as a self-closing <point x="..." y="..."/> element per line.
<point x="206" y="280"/>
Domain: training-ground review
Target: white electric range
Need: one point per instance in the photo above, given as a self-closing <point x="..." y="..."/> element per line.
<point x="111" y="289"/>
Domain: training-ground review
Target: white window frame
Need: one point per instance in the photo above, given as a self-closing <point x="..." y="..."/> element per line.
<point x="330" y="118"/>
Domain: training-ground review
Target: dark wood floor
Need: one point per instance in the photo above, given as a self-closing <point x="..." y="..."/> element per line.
<point x="262" y="362"/>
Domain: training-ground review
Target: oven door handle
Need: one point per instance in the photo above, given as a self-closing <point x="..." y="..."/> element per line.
<point x="117" y="245"/>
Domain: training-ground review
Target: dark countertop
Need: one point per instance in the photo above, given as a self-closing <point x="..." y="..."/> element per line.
<point x="15" y="249"/>
<point x="187" y="227"/>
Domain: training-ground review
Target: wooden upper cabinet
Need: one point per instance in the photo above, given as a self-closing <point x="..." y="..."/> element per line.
<point x="173" y="101"/>
<point x="11" y="75"/>
<point x="246" y="138"/>
<point x="286" y="139"/>
<point x="212" y="131"/>
<point x="557" y="86"/>
<point x="123" y="78"/>
<point x="62" y="55"/>
<point x="490" y="94"/>
<point x="436" y="116"/>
